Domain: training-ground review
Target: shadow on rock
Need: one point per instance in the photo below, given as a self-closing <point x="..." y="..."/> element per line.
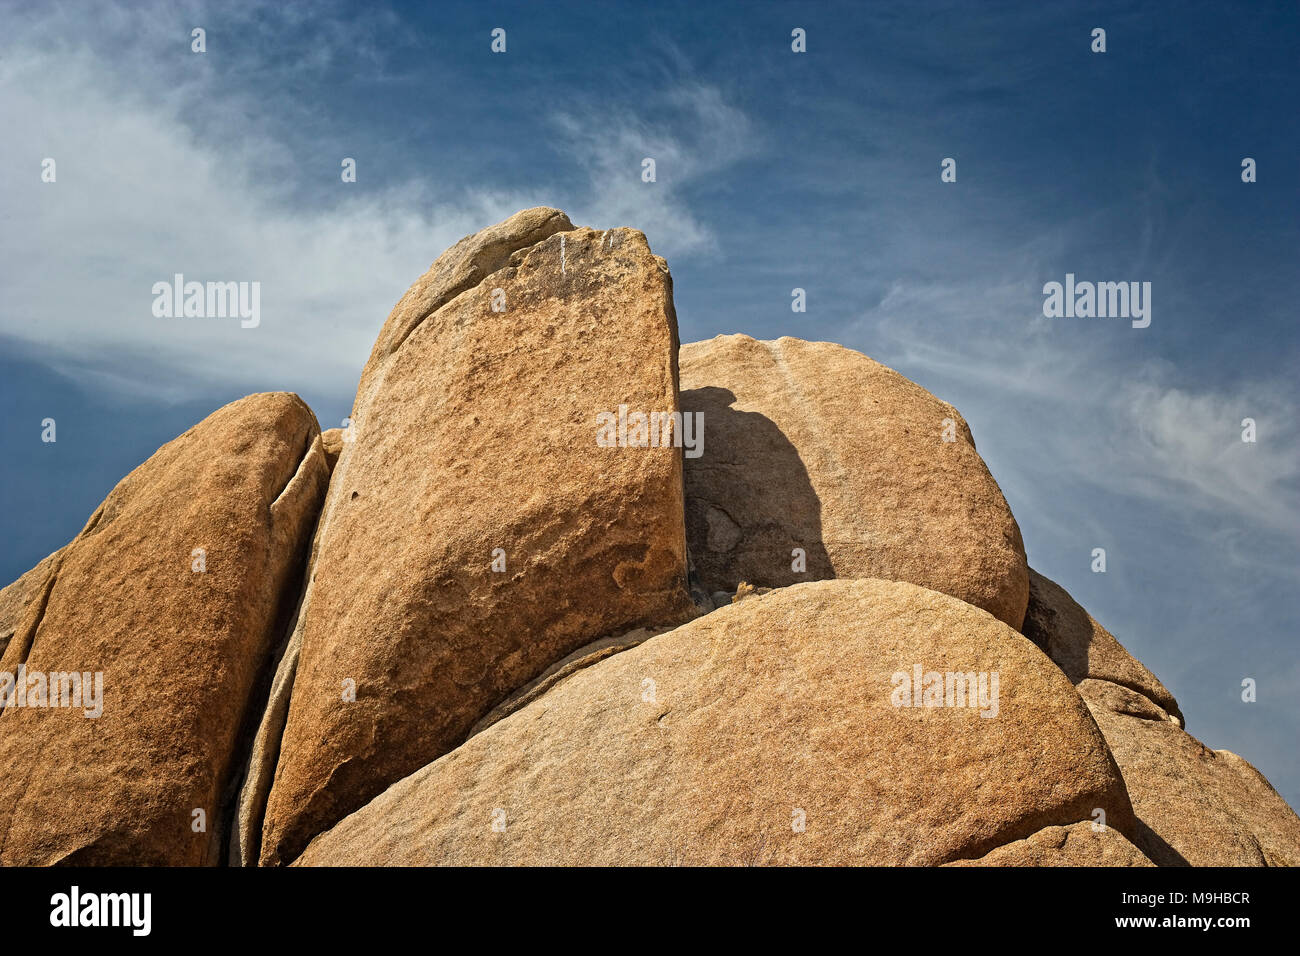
<point x="750" y="505"/>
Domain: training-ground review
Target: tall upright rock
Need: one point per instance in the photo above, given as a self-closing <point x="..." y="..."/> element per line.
<point x="821" y="463"/>
<point x="171" y="599"/>
<point x="475" y="531"/>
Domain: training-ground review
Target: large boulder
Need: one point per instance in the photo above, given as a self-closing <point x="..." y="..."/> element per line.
<point x="770" y="731"/>
<point x="171" y="600"/>
<point x="1194" y="805"/>
<point x="475" y="531"/>
<point x="815" y="447"/>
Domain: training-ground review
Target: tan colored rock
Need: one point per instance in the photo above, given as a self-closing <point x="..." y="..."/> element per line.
<point x="1083" y="648"/>
<point x="332" y="441"/>
<point x="1122" y="700"/>
<point x="17" y="598"/>
<point x="709" y="743"/>
<point x="562" y="670"/>
<point x="476" y="431"/>
<point x="1075" y="845"/>
<point x="183" y="653"/>
<point x="814" y="446"/>
<point x="1195" y="805"/>
<point x="458" y="270"/>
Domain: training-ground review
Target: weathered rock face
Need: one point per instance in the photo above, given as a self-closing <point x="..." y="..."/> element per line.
<point x="720" y="741"/>
<point x="18" y="597"/>
<point x="1194" y="805"/>
<point x="475" y="532"/>
<point x="813" y="446"/>
<point x="176" y="592"/>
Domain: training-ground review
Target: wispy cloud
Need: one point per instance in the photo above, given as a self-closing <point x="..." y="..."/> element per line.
<point x="172" y="169"/>
<point x="1070" y="402"/>
<point x="704" y="136"/>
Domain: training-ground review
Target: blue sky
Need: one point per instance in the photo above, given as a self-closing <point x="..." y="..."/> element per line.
<point x="775" y="170"/>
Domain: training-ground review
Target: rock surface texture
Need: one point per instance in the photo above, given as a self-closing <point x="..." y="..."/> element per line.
<point x="813" y="446"/>
<point x="698" y="746"/>
<point x="475" y="532"/>
<point x="17" y="598"/>
<point x="176" y="593"/>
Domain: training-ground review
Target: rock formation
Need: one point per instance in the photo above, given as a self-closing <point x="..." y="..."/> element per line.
<point x="175" y="594"/>
<point x="505" y="617"/>
<point x="815" y="447"/>
<point x="1194" y="805"/>
<point x="704" y="744"/>
<point x="475" y="532"/>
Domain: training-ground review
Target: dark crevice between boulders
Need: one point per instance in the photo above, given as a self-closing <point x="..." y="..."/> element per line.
<point x="1156" y="849"/>
<point x="224" y="849"/>
<point x="244" y="845"/>
<point x="559" y="672"/>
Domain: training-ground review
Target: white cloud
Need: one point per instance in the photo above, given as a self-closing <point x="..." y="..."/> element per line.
<point x="139" y="197"/>
<point x="1192" y="439"/>
<point x="164" y="169"/>
<point x="1068" y="406"/>
<point x="706" y="135"/>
